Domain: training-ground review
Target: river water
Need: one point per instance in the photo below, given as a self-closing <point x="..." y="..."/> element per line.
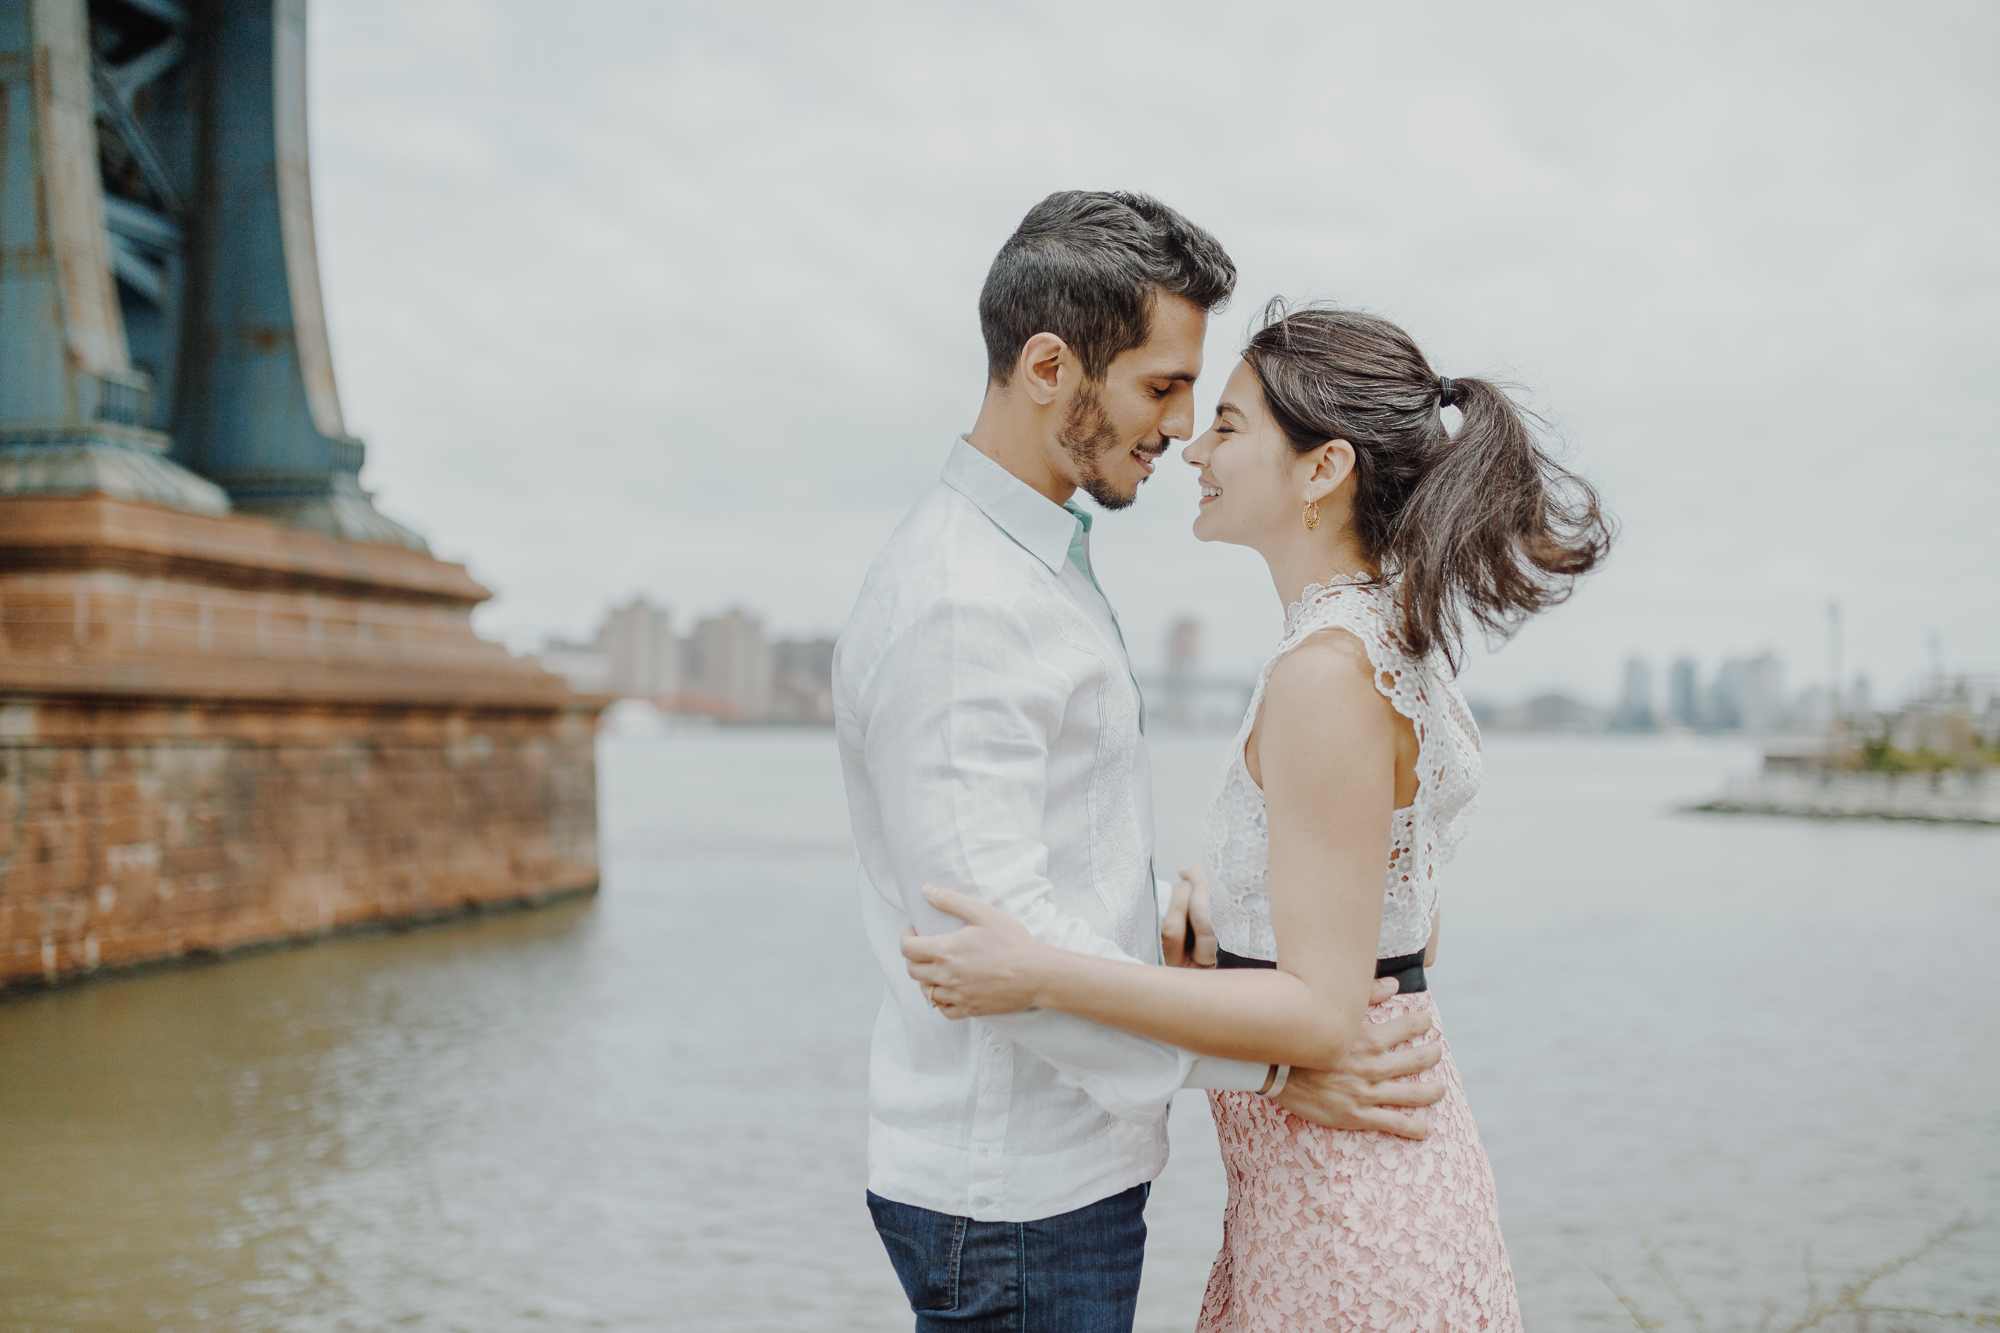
<point x="1718" y="1039"/>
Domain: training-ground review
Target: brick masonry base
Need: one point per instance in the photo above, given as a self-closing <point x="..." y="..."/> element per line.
<point x="132" y="833"/>
<point x="216" y="732"/>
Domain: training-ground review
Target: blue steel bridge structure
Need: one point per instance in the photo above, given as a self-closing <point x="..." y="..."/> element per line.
<point x="161" y="330"/>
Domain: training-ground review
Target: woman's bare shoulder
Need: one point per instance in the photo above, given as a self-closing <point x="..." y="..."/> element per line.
<point x="1330" y="667"/>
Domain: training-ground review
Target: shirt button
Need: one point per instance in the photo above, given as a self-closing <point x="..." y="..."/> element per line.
<point x="984" y="1150"/>
<point x="998" y="1048"/>
<point x="982" y="1202"/>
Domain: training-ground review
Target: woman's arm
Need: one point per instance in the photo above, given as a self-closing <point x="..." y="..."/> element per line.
<point x="1328" y="758"/>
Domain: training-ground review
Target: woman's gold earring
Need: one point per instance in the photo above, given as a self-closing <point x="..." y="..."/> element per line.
<point x="1312" y="515"/>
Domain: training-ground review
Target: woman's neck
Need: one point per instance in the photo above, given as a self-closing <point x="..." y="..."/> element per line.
<point x="1315" y="558"/>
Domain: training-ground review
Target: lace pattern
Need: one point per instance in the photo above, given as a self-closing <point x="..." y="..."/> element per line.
<point x="1423" y="835"/>
<point x="1350" y="1230"/>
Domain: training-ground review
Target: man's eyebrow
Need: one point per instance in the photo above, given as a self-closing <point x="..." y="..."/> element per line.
<point x="1185" y="377"/>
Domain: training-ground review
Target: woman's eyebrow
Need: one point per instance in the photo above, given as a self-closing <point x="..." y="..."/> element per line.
<point x="1232" y="409"/>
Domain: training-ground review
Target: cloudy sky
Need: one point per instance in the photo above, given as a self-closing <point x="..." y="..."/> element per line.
<point x="680" y="299"/>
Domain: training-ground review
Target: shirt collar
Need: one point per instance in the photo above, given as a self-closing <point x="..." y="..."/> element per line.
<point x="1042" y="528"/>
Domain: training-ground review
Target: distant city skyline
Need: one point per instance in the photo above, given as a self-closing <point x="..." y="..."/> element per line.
<point x="728" y="667"/>
<point x="725" y="667"/>
<point x="1906" y="671"/>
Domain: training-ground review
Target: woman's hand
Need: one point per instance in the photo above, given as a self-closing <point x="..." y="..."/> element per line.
<point x="991" y="966"/>
<point x="1188" y="913"/>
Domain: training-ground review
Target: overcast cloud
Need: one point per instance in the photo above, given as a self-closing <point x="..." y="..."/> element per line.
<point x="674" y="299"/>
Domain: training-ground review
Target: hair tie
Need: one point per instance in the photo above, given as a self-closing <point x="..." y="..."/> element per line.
<point x="1445" y="395"/>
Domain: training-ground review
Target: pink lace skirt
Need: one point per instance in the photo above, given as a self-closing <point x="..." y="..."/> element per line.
<point x="1339" y="1229"/>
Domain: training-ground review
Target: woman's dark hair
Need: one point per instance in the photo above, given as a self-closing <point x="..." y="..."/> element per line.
<point x="1480" y="523"/>
<point x="1087" y="266"/>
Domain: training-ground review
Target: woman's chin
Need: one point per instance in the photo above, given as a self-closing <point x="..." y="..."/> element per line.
<point x="1207" y="530"/>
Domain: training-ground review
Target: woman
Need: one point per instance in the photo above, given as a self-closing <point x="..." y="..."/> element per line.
<point x="1342" y="799"/>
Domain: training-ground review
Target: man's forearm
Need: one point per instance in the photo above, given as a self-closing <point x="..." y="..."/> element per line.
<point x="1132" y="1077"/>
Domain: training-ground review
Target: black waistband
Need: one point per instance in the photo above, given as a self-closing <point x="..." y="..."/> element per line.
<point x="1407" y="970"/>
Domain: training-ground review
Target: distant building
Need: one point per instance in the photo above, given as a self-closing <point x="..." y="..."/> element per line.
<point x="1183" y="657"/>
<point x="1544" y="712"/>
<point x="643" y="655"/>
<point x="1748" y="695"/>
<point x="1809" y="710"/>
<point x="1949" y="715"/>
<point x="802" y="681"/>
<point x="1635" y="700"/>
<point x="1764" y="694"/>
<point x="1722" y="703"/>
<point x="1861" y="700"/>
<point x="1181" y="697"/>
<point x="1684" y="694"/>
<point x="634" y="655"/>
<point x="730" y="662"/>
<point x="726" y="669"/>
<point x="584" y="665"/>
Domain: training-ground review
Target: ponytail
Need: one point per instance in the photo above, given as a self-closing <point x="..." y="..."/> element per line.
<point x="1481" y="524"/>
<point x="1495" y="530"/>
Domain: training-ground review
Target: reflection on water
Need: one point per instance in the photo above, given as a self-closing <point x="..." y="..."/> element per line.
<point x="1732" y="1036"/>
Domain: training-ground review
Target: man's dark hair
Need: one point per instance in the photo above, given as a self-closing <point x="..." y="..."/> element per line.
<point x="1087" y="266"/>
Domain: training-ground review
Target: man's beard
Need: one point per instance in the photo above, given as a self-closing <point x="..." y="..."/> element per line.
<point x="1087" y="435"/>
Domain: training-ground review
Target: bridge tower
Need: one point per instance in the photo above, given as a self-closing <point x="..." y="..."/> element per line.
<point x="162" y="336"/>
<point x="237" y="703"/>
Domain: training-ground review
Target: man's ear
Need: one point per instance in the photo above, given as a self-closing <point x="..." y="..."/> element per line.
<point x="1333" y="464"/>
<point x="1041" y="367"/>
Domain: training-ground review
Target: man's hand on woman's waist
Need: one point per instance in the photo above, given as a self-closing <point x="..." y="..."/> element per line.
<point x="1364" y="1092"/>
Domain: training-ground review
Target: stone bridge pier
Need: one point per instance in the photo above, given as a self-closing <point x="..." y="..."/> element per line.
<point x="237" y="704"/>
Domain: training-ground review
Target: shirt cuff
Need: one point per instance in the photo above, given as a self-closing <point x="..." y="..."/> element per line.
<point x="1219" y="1075"/>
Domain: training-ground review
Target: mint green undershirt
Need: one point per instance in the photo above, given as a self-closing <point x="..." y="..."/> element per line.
<point x="1079" y="555"/>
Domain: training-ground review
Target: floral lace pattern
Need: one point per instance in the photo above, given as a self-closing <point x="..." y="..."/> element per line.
<point x="1424" y="834"/>
<point x="1348" y="1230"/>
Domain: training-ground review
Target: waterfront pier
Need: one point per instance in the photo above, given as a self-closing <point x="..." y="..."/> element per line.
<point x="1822" y="793"/>
<point x="1935" y="760"/>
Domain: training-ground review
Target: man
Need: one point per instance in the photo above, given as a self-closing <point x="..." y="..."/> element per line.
<point x="991" y="735"/>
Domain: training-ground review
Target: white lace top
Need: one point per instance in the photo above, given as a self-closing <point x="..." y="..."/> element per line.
<point x="1423" y="834"/>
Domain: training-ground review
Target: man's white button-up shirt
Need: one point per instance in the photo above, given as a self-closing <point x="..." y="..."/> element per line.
<point x="990" y="737"/>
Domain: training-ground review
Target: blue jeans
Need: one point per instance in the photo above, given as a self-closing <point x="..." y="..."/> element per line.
<point x="1077" y="1272"/>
